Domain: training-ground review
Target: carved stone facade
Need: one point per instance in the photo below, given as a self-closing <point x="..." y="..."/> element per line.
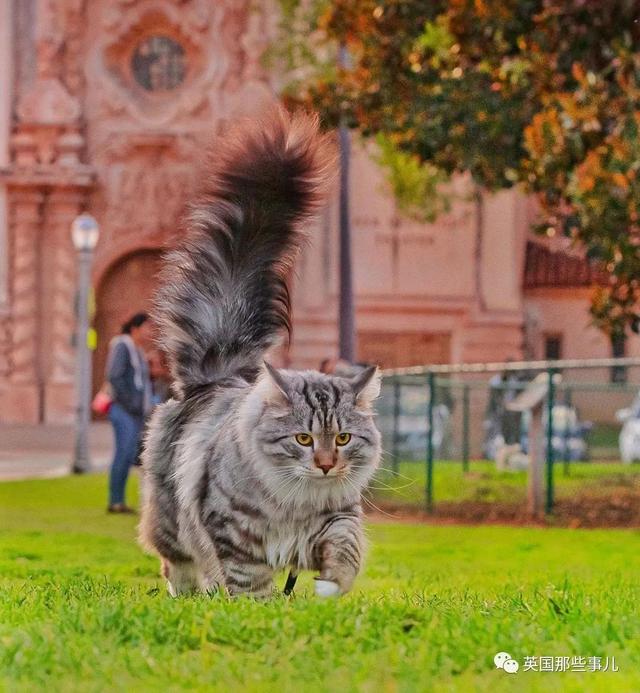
<point x="108" y="105"/>
<point x="105" y="106"/>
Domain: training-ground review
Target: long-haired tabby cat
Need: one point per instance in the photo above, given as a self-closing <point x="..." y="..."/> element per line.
<point x="251" y="469"/>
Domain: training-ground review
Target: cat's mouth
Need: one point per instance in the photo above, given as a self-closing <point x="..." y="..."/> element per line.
<point x="331" y="475"/>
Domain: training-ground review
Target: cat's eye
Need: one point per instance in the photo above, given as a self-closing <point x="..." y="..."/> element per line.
<point x="343" y="438"/>
<point x="304" y="439"/>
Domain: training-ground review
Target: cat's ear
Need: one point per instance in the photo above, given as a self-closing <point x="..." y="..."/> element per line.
<point x="366" y="386"/>
<point x="279" y="381"/>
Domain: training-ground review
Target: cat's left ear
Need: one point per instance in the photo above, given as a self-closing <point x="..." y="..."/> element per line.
<point x="279" y="381"/>
<point x="366" y="386"/>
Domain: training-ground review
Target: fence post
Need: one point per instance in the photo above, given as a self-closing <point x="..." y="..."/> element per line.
<point x="396" y="422"/>
<point x="432" y="395"/>
<point x="465" y="428"/>
<point x="550" y="455"/>
<point x="566" y="450"/>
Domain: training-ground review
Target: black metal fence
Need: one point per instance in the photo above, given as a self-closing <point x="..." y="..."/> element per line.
<point x="443" y="418"/>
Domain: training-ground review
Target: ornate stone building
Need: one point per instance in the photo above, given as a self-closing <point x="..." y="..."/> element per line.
<point x="105" y="106"/>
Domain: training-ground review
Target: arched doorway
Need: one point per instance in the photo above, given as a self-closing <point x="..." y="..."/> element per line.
<point x="127" y="288"/>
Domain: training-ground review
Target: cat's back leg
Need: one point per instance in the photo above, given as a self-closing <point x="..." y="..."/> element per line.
<point x="158" y="530"/>
<point x="182" y="578"/>
<point x="255" y="580"/>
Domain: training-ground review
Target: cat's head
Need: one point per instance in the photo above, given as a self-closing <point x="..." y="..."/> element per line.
<point x="317" y="428"/>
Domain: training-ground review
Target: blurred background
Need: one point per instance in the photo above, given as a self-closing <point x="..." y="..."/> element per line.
<point x="486" y="211"/>
<point x="481" y="246"/>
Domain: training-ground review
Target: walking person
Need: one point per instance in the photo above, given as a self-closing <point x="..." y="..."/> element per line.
<point x="160" y="377"/>
<point x="128" y="375"/>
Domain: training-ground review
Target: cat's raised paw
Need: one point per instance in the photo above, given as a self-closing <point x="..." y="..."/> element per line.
<point x="326" y="588"/>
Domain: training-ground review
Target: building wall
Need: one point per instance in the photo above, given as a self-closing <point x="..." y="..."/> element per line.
<point x="6" y="80"/>
<point x="145" y="144"/>
<point x="564" y="313"/>
<point x="91" y="128"/>
<point x="418" y="295"/>
<point x="86" y="133"/>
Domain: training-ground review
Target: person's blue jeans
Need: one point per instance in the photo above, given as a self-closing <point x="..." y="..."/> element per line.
<point x="127" y="430"/>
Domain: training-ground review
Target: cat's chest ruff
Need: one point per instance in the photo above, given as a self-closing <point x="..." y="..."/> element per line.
<point x="287" y="545"/>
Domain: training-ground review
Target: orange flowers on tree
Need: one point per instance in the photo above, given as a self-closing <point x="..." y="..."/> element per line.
<point x="544" y="94"/>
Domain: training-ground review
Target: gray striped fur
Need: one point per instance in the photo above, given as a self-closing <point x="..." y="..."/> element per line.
<point x="230" y="496"/>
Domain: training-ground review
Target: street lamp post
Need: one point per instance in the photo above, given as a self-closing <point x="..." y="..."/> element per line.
<point x="84" y="234"/>
<point x="346" y="324"/>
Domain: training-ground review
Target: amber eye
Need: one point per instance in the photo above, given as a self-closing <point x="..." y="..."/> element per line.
<point x="304" y="439"/>
<point x="343" y="438"/>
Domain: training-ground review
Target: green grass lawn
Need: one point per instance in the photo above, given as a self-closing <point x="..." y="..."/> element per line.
<point x="603" y="441"/>
<point x="483" y="482"/>
<point x="81" y="608"/>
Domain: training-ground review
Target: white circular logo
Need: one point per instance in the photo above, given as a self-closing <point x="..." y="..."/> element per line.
<point x="500" y="659"/>
<point x="511" y="666"/>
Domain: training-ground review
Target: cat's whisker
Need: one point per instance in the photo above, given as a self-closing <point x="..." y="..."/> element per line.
<point x="387" y="487"/>
<point x="391" y="472"/>
<point x="300" y="493"/>
<point x="286" y="498"/>
<point x="371" y="503"/>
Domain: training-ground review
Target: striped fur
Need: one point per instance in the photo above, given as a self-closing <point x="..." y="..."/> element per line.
<point x="230" y="494"/>
<point x="223" y="299"/>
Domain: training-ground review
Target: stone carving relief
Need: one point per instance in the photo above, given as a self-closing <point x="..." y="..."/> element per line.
<point x="146" y="183"/>
<point x="5" y="347"/>
<point x="48" y="130"/>
<point x="61" y="24"/>
<point x="74" y="18"/>
<point x="180" y="32"/>
<point x="48" y="103"/>
<point x="139" y="203"/>
<point x="247" y="90"/>
<point x="114" y="99"/>
<point x="216" y="47"/>
<point x="162" y="76"/>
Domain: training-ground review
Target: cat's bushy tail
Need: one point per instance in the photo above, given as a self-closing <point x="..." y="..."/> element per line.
<point x="223" y="298"/>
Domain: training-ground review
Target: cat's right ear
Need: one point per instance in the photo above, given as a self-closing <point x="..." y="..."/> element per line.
<point x="366" y="386"/>
<point x="279" y="382"/>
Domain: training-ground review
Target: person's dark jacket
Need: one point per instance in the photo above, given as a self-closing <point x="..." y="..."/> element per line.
<point x="121" y="375"/>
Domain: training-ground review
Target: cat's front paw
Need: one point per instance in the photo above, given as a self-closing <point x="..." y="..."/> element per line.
<point x="326" y="588"/>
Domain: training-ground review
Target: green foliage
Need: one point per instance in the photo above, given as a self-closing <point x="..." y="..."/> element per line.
<point x="415" y="184"/>
<point x="82" y="609"/>
<point x="436" y="40"/>
<point x="540" y="93"/>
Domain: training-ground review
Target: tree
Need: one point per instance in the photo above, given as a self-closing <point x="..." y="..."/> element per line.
<point x="544" y="94"/>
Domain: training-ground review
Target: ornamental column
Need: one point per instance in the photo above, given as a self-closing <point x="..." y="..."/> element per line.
<point x="22" y="401"/>
<point x="6" y="95"/>
<point x="48" y="185"/>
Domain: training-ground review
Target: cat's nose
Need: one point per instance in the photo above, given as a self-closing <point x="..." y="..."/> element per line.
<point x="324" y="462"/>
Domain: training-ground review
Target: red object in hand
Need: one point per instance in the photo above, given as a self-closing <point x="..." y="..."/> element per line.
<point x="102" y="403"/>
